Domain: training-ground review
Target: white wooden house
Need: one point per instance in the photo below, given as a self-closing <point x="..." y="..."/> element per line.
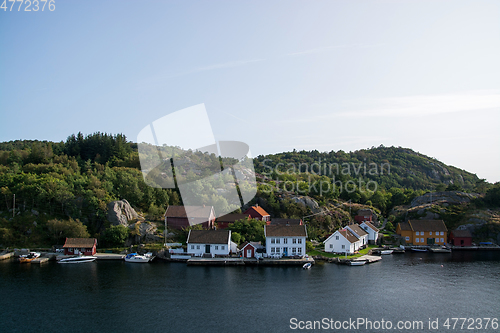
<point x="285" y="240"/>
<point x="342" y="241"/>
<point x="360" y="233"/>
<point x="214" y="242"/>
<point x="371" y="230"/>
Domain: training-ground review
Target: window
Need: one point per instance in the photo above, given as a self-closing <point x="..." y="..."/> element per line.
<point x="417" y="240"/>
<point x="430" y="233"/>
<point x="437" y="240"/>
<point x="300" y="240"/>
<point x="222" y="247"/>
<point x="285" y="240"/>
<point x="442" y="240"/>
<point x="277" y="240"/>
<point x="418" y="233"/>
<point x="421" y="240"/>
<point x="442" y="233"/>
<point x="331" y="246"/>
<point x="216" y="247"/>
<point x="278" y="250"/>
<point x="273" y="250"/>
<point x="299" y="250"/>
<point x="336" y="237"/>
<point x="343" y="246"/>
<point x="407" y="238"/>
<point x="294" y="241"/>
<point x="197" y="247"/>
<point x="273" y="240"/>
<point x="192" y="247"/>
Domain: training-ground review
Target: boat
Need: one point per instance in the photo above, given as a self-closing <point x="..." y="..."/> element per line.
<point x="307" y="265"/>
<point x="77" y="260"/>
<point x="440" y="250"/>
<point x="357" y="262"/>
<point x="27" y="258"/>
<point x="386" y="251"/>
<point x="135" y="257"/>
<point x="418" y="250"/>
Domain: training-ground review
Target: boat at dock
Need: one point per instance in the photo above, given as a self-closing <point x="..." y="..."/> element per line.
<point x="357" y="262"/>
<point x="415" y="249"/>
<point x="307" y="265"/>
<point x="386" y="251"/>
<point x="135" y="257"/>
<point x="27" y="258"/>
<point x="440" y="250"/>
<point x="77" y="260"/>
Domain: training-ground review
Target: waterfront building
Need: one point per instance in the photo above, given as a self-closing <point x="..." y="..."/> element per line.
<point x="423" y="232"/>
<point x="285" y="240"/>
<point x="211" y="242"/>
<point x="360" y="233"/>
<point x="249" y="249"/>
<point x="461" y="237"/>
<point x="371" y="230"/>
<point x="342" y="241"/>
<point x="85" y="246"/>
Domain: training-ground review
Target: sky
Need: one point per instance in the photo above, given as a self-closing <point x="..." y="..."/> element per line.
<point x="277" y="75"/>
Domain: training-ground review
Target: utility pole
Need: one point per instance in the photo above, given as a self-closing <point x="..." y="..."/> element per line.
<point x="14" y="206"/>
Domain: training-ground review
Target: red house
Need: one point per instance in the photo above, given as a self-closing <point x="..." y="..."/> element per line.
<point x="257" y="212"/>
<point x="178" y="217"/>
<point x="248" y="249"/>
<point x="85" y="246"/>
<point x="226" y="220"/>
<point x="460" y="238"/>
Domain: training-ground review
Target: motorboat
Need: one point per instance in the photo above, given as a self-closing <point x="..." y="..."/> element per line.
<point x="357" y="262"/>
<point x="135" y="257"/>
<point x="27" y="258"/>
<point x="416" y="249"/>
<point x="77" y="260"/>
<point x="386" y="251"/>
<point x="307" y="265"/>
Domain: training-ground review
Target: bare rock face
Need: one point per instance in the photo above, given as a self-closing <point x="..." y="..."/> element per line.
<point x="308" y="202"/>
<point x="450" y="197"/>
<point x="120" y="212"/>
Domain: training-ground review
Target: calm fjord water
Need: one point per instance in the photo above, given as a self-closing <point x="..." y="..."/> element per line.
<point x="163" y="297"/>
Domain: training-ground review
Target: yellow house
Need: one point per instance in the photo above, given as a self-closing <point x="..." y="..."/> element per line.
<point x="423" y="232"/>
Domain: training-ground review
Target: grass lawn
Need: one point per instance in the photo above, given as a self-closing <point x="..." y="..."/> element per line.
<point x="331" y="255"/>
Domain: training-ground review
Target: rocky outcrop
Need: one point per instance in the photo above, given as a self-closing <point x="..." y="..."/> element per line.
<point x="120" y="212"/>
<point x="450" y="197"/>
<point x="308" y="202"/>
<point x="144" y="232"/>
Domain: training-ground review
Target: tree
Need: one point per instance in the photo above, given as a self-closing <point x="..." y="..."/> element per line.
<point x="115" y="235"/>
<point x="60" y="229"/>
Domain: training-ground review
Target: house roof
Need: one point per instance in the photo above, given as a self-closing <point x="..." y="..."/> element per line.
<point x="80" y="242"/>
<point x="427" y="225"/>
<point x="348" y="235"/>
<point x="462" y="233"/>
<point x="192" y="211"/>
<point x="404" y="226"/>
<point x="285" y="231"/>
<point x="371" y="226"/>
<point x="357" y="230"/>
<point x="209" y="236"/>
<point x="232" y="217"/>
<point x="276" y="221"/>
<point x="259" y="210"/>
<point x="255" y="245"/>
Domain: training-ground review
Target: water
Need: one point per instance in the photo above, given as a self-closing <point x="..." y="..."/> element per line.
<point x="172" y="297"/>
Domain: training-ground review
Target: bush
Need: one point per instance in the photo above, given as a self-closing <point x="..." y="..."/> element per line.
<point x="115" y="236"/>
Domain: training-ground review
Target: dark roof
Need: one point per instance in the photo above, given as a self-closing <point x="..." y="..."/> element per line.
<point x="371" y="226"/>
<point x="404" y="226"/>
<point x="80" y="242"/>
<point x="259" y="210"/>
<point x="276" y="221"/>
<point x="427" y="225"/>
<point x="462" y="233"/>
<point x="256" y="245"/>
<point x="232" y="217"/>
<point x="285" y="231"/>
<point x="348" y="235"/>
<point x="209" y="236"/>
<point x="357" y="230"/>
<point x="193" y="211"/>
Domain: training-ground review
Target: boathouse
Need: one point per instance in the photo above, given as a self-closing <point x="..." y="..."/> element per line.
<point x="249" y="249"/>
<point x="461" y="237"/>
<point x="85" y="246"/>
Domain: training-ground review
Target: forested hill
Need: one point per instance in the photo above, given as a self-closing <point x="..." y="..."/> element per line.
<point x="390" y="167"/>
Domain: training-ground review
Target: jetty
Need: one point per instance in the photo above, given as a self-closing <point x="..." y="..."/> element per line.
<point x="199" y="261"/>
<point x="7" y="255"/>
<point x="40" y="260"/>
<point x="109" y="256"/>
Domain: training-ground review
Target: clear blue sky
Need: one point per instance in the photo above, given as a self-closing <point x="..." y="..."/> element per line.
<point x="278" y="75"/>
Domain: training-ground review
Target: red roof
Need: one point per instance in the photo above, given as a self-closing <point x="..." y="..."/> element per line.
<point x="259" y="210"/>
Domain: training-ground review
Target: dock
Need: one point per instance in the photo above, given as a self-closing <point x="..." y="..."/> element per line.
<point x="197" y="261"/>
<point x="109" y="256"/>
<point x="40" y="260"/>
<point x="6" y="255"/>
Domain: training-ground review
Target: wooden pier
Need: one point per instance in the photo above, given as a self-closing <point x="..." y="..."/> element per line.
<point x="6" y="255"/>
<point x="197" y="261"/>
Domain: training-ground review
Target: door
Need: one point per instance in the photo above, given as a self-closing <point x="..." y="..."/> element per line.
<point x="249" y="253"/>
<point x="207" y="248"/>
<point x="430" y="241"/>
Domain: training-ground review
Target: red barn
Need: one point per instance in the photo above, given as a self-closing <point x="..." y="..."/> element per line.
<point x="257" y="212"/>
<point x="460" y="238"/>
<point x="85" y="246"/>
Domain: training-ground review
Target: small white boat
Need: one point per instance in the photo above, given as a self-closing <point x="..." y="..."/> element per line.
<point x="77" y="260"/>
<point x="386" y="251"/>
<point x="415" y="249"/>
<point x="307" y="265"/>
<point x="135" y="257"/>
<point x="27" y="258"/>
<point x="357" y="262"/>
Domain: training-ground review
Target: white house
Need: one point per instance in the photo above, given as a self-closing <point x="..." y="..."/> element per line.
<point x="342" y="241"/>
<point x="371" y="230"/>
<point x="214" y="242"/>
<point x="360" y="233"/>
<point x="285" y="240"/>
